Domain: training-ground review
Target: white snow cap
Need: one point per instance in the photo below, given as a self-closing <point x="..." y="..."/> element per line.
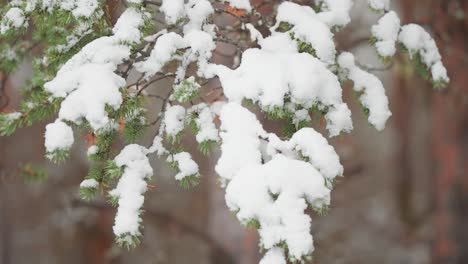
<point x="371" y="88"/>
<point x="379" y="5"/>
<point x="386" y="32"/>
<point x="13" y="18"/>
<point x="417" y="40"/>
<point x="276" y="194"/>
<point x="335" y="12"/>
<point x="93" y="67"/>
<point x="270" y="74"/>
<point x="240" y="131"/>
<point x="204" y="120"/>
<point x="308" y="27"/>
<point x="185" y="164"/>
<point x="130" y="190"/>
<point x="274" y="256"/>
<point x="174" y="120"/>
<point x="58" y="136"/>
<point x="89" y="183"/>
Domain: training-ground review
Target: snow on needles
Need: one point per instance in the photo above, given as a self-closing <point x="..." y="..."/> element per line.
<point x="87" y="82"/>
<point x="58" y="136"/>
<point x="13" y="18"/>
<point x="130" y="190"/>
<point x="386" y="33"/>
<point x="372" y="92"/>
<point x="379" y="5"/>
<point x="308" y="27"/>
<point x="186" y="166"/>
<point x="276" y="72"/>
<point x="274" y="193"/>
<point x="418" y="41"/>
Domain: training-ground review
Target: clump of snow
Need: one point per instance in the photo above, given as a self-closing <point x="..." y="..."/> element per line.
<point x="174" y="120"/>
<point x="276" y="194"/>
<point x="199" y="45"/>
<point x="92" y="150"/>
<point x="417" y="40"/>
<point x="255" y="35"/>
<point x="386" y="33"/>
<point x="372" y="92"/>
<point x="301" y="116"/>
<point x="307" y="144"/>
<point x="94" y="66"/>
<point x="204" y="121"/>
<point x="379" y="5"/>
<point x="320" y="154"/>
<point x="89" y="183"/>
<point x="308" y="27"/>
<point x="274" y="256"/>
<point x="130" y="189"/>
<point x="240" y="131"/>
<point x="173" y="9"/>
<point x="157" y="146"/>
<point x="84" y="100"/>
<point x="13" y="18"/>
<point x="335" y="12"/>
<point x="185" y="164"/>
<point x="276" y="72"/>
<point x="58" y="136"/>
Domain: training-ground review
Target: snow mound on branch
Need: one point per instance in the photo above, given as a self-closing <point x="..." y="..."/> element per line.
<point x="308" y="27"/>
<point x="336" y="12"/>
<point x="174" y="120"/>
<point x="310" y="145"/>
<point x="274" y="256"/>
<point x="386" y="32"/>
<point x="187" y="167"/>
<point x="58" y="136"/>
<point x="198" y="45"/>
<point x="204" y="121"/>
<point x="240" y="131"/>
<point x="130" y="190"/>
<point x="276" y="194"/>
<point x="379" y="5"/>
<point x="277" y="73"/>
<point x="371" y="88"/>
<point x="13" y="18"/>
<point x="88" y="82"/>
<point x="417" y="40"/>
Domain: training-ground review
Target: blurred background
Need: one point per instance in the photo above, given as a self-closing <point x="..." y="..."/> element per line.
<point x="403" y="197"/>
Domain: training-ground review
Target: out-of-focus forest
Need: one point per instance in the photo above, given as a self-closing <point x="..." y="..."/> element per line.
<point x="403" y="199"/>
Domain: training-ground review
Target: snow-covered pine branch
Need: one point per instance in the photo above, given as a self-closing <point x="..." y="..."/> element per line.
<point x="288" y="68"/>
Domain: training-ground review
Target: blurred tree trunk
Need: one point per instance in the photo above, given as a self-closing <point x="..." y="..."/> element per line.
<point x="449" y="139"/>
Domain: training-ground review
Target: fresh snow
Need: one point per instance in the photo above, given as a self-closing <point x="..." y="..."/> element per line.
<point x="13" y="18"/>
<point x="269" y="181"/>
<point x="187" y="167"/>
<point x="130" y="190"/>
<point x="417" y="40"/>
<point x="89" y="183"/>
<point x="174" y="120"/>
<point x="58" y="136"/>
<point x="386" y="33"/>
<point x="371" y="90"/>
<point x="379" y="5"/>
